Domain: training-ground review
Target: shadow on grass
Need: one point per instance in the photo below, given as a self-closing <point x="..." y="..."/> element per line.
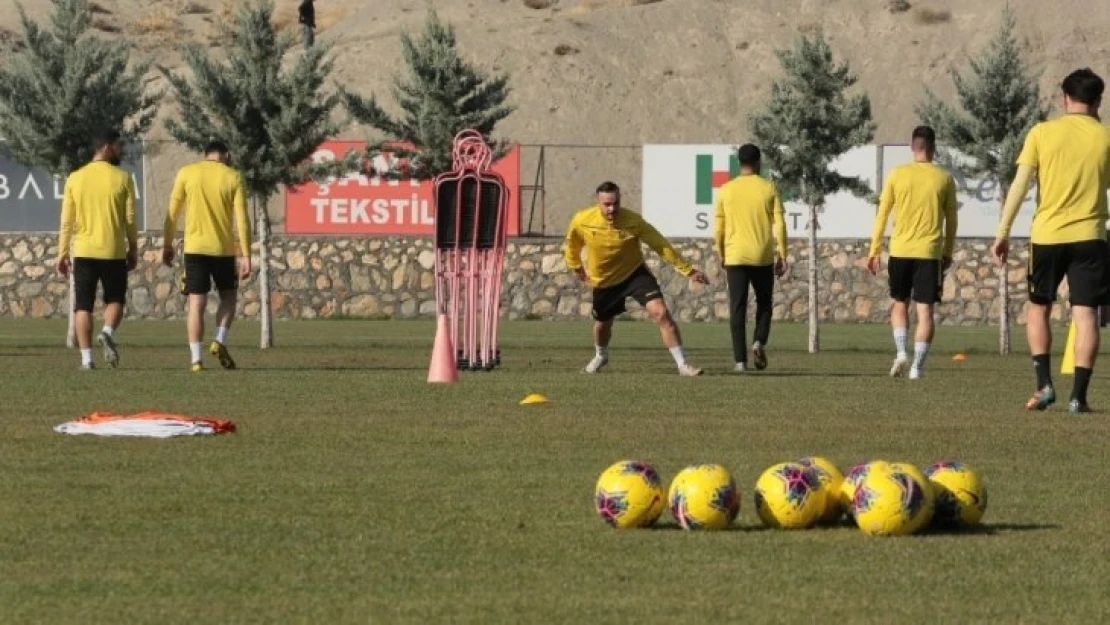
<point x="671" y="526"/>
<point x="989" y="529"/>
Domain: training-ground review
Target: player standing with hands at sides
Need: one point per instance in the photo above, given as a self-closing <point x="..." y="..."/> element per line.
<point x="922" y="197"/>
<point x="749" y="227"/>
<point x="1070" y="156"/>
<point x="611" y="236"/>
<point x="213" y="196"/>
<point x="98" y="220"/>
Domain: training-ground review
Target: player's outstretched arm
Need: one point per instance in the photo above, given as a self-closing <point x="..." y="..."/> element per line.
<point x="242" y="228"/>
<point x="779" y="216"/>
<point x="951" y="222"/>
<point x="169" y="225"/>
<point x="656" y="241"/>
<point x="65" y="228"/>
<point x="1001" y="248"/>
<point x="886" y="205"/>
<point x="572" y="250"/>
<point x="132" y="227"/>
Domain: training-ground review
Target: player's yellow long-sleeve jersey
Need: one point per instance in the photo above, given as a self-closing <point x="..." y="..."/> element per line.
<point x="98" y="213"/>
<point x="613" y="249"/>
<point x="1071" y="155"/>
<point x="212" y="195"/>
<point x="923" y="199"/>
<point x="749" y="222"/>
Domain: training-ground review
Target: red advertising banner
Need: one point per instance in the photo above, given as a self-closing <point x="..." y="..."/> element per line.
<point x="360" y="204"/>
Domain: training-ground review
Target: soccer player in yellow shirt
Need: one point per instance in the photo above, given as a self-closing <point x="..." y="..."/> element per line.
<point x="611" y="235"/>
<point x="922" y="197"/>
<point x="214" y="199"/>
<point x="98" y="222"/>
<point x="748" y="228"/>
<point x="1070" y="157"/>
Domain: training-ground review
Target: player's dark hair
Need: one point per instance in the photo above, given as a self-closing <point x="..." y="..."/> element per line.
<point x="924" y="137"/>
<point x="749" y="155"/>
<point x="1084" y="86"/>
<point x="608" y="187"/>
<point x="106" y="138"/>
<point x="215" y="146"/>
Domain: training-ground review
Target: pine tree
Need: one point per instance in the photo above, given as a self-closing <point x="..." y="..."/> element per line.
<point x="807" y="123"/>
<point x="63" y="88"/>
<point x="272" y="118"/>
<point x="441" y="96"/>
<point x="998" y="103"/>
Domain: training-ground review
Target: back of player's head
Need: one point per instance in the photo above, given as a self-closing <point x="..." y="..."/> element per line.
<point x="608" y="187"/>
<point x="1084" y="86"/>
<point x="215" y="146"/>
<point x="924" y="138"/>
<point x="749" y="155"/>
<point x="106" y="138"/>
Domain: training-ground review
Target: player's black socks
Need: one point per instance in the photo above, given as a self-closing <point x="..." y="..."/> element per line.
<point x="1082" y="380"/>
<point x="1044" y="370"/>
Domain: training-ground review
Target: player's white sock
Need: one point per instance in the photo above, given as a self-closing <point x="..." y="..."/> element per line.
<point x="108" y="330"/>
<point x="221" y="335"/>
<point x="900" y="341"/>
<point x="86" y="357"/>
<point x="920" y="350"/>
<point x="679" y="355"/>
<point x="194" y="351"/>
<point x="602" y="352"/>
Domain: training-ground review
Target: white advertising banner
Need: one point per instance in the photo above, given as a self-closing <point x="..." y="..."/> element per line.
<point x="680" y="184"/>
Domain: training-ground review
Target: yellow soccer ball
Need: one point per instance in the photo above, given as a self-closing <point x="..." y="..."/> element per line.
<point x="704" y="497"/>
<point x="629" y="494"/>
<point x="961" y="497"/>
<point x="852" y="480"/>
<point x="888" y="503"/>
<point x="924" y="513"/>
<point x="789" y="496"/>
<point x="831" y="480"/>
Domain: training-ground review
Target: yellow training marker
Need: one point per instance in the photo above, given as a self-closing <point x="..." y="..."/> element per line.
<point x="534" y="398"/>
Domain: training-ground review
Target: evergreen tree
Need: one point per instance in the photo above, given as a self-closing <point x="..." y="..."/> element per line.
<point x="272" y="118"/>
<point x="441" y="96"/>
<point x="998" y="103"/>
<point x="807" y="123"/>
<point x="64" y="87"/>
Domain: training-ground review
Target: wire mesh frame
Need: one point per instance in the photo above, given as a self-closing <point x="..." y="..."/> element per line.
<point x="469" y="264"/>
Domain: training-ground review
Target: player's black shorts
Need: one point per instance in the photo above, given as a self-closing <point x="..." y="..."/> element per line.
<point x="640" y="286"/>
<point x="111" y="274"/>
<point x="201" y="271"/>
<point x="1084" y="263"/>
<point x="920" y="278"/>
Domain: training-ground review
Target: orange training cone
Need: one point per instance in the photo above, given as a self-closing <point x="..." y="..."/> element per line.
<point x="443" y="369"/>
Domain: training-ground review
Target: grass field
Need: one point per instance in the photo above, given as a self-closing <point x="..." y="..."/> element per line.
<point x="356" y="493"/>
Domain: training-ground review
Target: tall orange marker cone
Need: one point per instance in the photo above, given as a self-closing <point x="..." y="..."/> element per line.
<point x="442" y="369"/>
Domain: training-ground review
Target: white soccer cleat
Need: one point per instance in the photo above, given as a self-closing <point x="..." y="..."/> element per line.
<point x="688" y="370"/>
<point x="916" y="374"/>
<point x="596" y="364"/>
<point x="898" y="369"/>
<point x="739" y="367"/>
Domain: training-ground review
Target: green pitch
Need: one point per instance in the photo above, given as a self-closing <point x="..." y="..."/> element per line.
<point x="356" y="493"/>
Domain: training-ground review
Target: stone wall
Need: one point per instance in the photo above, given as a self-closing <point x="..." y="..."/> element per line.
<point x="393" y="277"/>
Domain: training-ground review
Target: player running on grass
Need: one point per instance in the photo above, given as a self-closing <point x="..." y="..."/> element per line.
<point x="212" y="195"/>
<point x="1070" y="156"/>
<point x="922" y="197"/>
<point x="611" y="236"/>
